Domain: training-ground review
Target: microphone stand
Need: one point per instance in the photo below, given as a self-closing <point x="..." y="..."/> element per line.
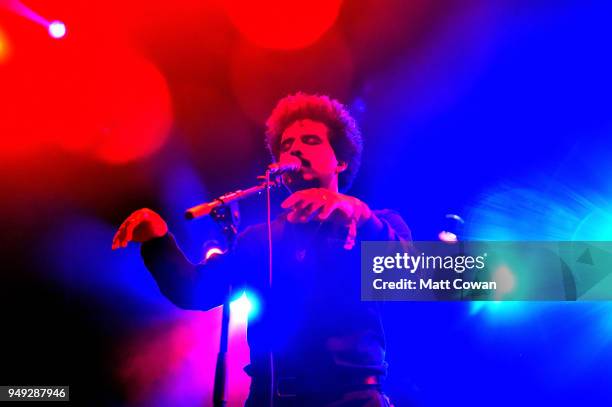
<point x="224" y="211"/>
<point x="206" y="208"/>
<point x="228" y="216"/>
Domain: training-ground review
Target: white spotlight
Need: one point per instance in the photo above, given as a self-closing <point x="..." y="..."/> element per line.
<point x="57" y="29"/>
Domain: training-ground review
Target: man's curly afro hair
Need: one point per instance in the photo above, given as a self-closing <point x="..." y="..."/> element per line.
<point x="344" y="136"/>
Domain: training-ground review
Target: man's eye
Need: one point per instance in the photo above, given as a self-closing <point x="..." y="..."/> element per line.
<point x="311" y="140"/>
<point x="285" y="145"/>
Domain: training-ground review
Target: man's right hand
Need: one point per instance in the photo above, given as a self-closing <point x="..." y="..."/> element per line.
<point x="140" y="226"/>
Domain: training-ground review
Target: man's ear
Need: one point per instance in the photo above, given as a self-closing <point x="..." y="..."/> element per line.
<point x="342" y="166"/>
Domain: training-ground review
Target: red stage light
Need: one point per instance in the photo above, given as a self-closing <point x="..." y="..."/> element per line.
<point x="261" y="77"/>
<point x="131" y="108"/>
<point x="87" y="95"/>
<point x="282" y="24"/>
<point x="4" y="47"/>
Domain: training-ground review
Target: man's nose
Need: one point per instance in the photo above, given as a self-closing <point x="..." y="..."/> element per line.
<point x="295" y="151"/>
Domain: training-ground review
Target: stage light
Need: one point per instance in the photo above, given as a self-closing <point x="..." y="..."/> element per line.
<point x="213" y="251"/>
<point x="57" y="29"/>
<point x="240" y="309"/>
<point x="448" y="237"/>
<point x="117" y="105"/>
<point x="501" y="312"/>
<point x="283" y="25"/>
<point x="506" y="280"/>
<point x="595" y="226"/>
<point x="452" y="228"/>
<point x="4" y="47"/>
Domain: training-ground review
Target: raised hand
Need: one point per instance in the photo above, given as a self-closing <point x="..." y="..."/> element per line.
<point x="140" y="226"/>
<point x="320" y="204"/>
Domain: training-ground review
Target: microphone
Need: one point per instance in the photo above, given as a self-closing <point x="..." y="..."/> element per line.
<point x="288" y="165"/>
<point x="291" y="164"/>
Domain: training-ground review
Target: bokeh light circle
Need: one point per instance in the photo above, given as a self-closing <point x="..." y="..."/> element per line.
<point x="119" y="106"/>
<point x="281" y="24"/>
<point x="260" y="78"/>
<point x="4" y="46"/>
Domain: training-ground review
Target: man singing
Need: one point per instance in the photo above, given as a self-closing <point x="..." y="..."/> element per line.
<point x="328" y="346"/>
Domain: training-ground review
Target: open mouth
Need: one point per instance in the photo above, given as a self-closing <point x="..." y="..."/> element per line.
<point x="305" y="162"/>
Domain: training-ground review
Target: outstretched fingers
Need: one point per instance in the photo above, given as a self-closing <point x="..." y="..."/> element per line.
<point x="129" y="232"/>
<point x="309" y="212"/>
<point x="293" y="200"/>
<point x="328" y="209"/>
<point x="117" y="237"/>
<point x="124" y="234"/>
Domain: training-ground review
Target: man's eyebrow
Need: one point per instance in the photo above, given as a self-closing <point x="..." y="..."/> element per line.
<point x="310" y="135"/>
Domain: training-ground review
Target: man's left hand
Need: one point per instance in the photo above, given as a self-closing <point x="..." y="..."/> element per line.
<point x="320" y="204"/>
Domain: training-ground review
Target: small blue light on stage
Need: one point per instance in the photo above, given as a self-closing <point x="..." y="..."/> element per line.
<point x="57" y="29"/>
<point x="241" y="308"/>
<point x="476" y="307"/>
<point x="500" y="311"/>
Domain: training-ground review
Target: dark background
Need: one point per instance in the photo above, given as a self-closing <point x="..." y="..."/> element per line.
<point x="496" y="111"/>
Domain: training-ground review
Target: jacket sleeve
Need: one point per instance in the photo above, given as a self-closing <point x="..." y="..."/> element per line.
<point x="194" y="286"/>
<point x="385" y="225"/>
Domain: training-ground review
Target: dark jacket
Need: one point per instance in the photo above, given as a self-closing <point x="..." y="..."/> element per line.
<point x="313" y="319"/>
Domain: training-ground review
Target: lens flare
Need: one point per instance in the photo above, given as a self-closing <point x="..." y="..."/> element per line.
<point x="4" y="47"/>
<point x="57" y="29"/>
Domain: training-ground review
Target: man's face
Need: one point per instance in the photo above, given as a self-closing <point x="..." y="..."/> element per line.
<point x="309" y="141"/>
